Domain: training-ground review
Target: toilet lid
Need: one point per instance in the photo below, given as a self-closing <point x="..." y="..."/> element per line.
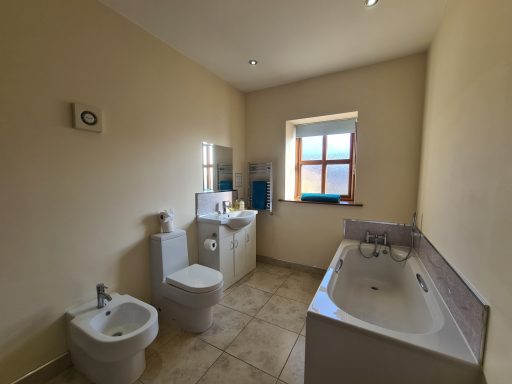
<point x="196" y="278"/>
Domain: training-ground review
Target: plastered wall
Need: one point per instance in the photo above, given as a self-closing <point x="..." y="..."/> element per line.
<point x="466" y="170"/>
<point x="76" y="208"/>
<point x="389" y="99"/>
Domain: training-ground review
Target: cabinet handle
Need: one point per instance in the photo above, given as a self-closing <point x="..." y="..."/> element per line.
<point x="231" y="245"/>
<point x="236" y="243"/>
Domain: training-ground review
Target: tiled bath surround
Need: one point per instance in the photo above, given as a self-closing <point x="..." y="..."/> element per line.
<point x="468" y="309"/>
<point x="207" y="202"/>
<point x="398" y="234"/>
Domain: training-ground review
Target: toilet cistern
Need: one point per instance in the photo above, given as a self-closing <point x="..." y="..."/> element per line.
<point x="102" y="295"/>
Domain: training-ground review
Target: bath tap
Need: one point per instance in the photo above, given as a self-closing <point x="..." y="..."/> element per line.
<point x="376" y="250"/>
<point x="102" y="295"/>
<point x="376" y="238"/>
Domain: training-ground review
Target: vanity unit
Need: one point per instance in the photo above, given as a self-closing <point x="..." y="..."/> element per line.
<point x="235" y="236"/>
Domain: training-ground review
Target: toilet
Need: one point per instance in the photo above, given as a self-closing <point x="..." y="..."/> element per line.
<point x="183" y="294"/>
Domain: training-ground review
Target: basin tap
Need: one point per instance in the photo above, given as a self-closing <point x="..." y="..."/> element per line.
<point x="225" y="206"/>
<point x="102" y="295"/>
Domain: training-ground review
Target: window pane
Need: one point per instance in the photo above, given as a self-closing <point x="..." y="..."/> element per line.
<point x="210" y="154"/>
<point x="205" y="155"/>
<point x="205" y="178"/>
<point x="312" y="148"/>
<point x="337" y="179"/>
<point x="338" y="146"/>
<point x="311" y="179"/>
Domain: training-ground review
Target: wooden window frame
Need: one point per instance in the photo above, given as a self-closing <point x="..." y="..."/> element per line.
<point x="324" y="162"/>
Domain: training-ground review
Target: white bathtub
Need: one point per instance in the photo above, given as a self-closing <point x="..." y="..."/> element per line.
<point x="371" y="322"/>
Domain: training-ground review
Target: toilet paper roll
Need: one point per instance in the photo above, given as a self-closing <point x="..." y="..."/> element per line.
<point x="210" y="245"/>
<point x="167" y="226"/>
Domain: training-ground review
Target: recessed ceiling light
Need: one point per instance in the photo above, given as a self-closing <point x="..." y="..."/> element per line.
<point x="253" y="62"/>
<point x="370" y="3"/>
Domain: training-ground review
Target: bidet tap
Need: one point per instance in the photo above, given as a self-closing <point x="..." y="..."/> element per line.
<point x="102" y="295"/>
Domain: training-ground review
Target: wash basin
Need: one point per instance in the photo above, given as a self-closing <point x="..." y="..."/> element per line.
<point x="234" y="220"/>
<point x="239" y="219"/>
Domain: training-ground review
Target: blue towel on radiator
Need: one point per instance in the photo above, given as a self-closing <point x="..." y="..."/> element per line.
<point x="321" y="197"/>
<point x="259" y="194"/>
<point x="225" y="185"/>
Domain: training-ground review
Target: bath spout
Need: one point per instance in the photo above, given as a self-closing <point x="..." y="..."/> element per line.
<point x="376" y="250"/>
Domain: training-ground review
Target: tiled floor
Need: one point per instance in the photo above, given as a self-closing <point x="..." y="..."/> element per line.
<point x="258" y="336"/>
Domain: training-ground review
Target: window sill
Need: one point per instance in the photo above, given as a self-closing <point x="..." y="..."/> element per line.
<point x="340" y="204"/>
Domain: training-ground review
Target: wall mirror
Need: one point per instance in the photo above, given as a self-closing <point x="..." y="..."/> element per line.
<point x="217" y="168"/>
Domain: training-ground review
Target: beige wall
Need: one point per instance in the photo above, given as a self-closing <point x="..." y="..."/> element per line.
<point x="466" y="169"/>
<point x="389" y="98"/>
<point x="76" y="208"/>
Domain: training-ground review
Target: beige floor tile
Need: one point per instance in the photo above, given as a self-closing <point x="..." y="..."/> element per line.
<point x="293" y="372"/>
<point x="274" y="269"/>
<point x="227" y="324"/>
<point x="300" y="286"/>
<point x="264" y="346"/>
<point x="69" y="376"/>
<point x="229" y="370"/>
<point x="245" y="278"/>
<point x="246" y="299"/>
<point x="303" y="332"/>
<point x="237" y="284"/>
<point x="182" y="360"/>
<point x="265" y="281"/>
<point x="227" y="291"/>
<point x="165" y="333"/>
<point x="286" y="313"/>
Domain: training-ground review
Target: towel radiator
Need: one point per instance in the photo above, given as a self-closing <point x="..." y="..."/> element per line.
<point x="260" y="172"/>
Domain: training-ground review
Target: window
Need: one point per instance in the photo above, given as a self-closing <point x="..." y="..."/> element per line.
<point x="325" y="158"/>
<point x="207" y="167"/>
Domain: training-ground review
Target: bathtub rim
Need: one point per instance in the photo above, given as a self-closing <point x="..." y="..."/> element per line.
<point x="431" y="302"/>
<point x="351" y="322"/>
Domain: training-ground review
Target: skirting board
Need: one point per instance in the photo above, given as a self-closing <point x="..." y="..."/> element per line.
<point x="47" y="371"/>
<point x="289" y="264"/>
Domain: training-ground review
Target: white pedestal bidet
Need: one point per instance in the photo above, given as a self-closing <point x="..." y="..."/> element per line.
<point x="107" y="344"/>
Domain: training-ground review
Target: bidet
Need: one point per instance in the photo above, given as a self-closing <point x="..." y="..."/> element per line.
<point x="108" y="344"/>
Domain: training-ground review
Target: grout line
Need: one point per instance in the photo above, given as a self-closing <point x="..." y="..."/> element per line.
<point x="271" y="296"/>
<point x="252" y="317"/>
<point x="259" y="289"/>
<point x="266" y="322"/>
<point x="245" y="362"/>
<point x="205" y="372"/>
<point x="288" y="358"/>
<point x="297" y="301"/>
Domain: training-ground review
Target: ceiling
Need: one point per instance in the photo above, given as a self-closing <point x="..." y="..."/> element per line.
<point x="291" y="39"/>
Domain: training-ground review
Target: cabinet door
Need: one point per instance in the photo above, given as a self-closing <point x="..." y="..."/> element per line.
<point x="250" y="247"/>
<point x="240" y="257"/>
<point x="226" y="247"/>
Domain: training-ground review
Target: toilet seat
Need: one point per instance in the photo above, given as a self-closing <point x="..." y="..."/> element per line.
<point x="196" y="278"/>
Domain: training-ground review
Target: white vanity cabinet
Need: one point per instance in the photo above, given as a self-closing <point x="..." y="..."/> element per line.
<point x="235" y="255"/>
